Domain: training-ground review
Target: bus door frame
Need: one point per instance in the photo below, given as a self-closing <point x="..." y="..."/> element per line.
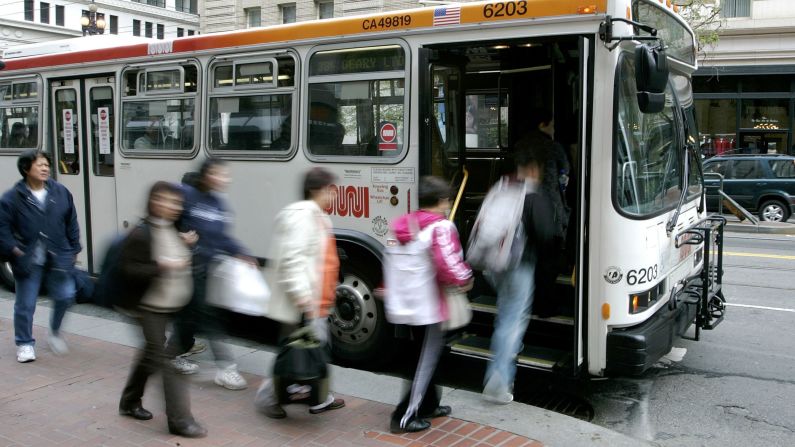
<point x="85" y="184"/>
<point x="581" y="307"/>
<point x="428" y="60"/>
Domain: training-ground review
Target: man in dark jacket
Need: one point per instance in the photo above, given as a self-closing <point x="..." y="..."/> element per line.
<point x="40" y="235"/>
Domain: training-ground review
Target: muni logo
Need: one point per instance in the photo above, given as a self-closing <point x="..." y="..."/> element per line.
<point x="350" y="201"/>
<point x="160" y="47"/>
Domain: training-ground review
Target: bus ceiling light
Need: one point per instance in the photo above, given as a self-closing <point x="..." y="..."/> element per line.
<point x="605" y="311"/>
<point x="586" y="9"/>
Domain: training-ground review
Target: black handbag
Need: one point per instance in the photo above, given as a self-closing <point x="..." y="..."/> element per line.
<point x="302" y="357"/>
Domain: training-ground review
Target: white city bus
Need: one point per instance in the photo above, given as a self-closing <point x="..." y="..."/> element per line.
<point x="381" y="100"/>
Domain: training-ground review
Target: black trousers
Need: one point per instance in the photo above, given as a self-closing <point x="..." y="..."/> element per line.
<point x="198" y="317"/>
<point x="154" y="358"/>
<point x="423" y="396"/>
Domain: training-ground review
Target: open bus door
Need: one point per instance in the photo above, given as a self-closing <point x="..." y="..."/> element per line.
<point x="440" y="119"/>
<point x="82" y="138"/>
<point x="500" y="84"/>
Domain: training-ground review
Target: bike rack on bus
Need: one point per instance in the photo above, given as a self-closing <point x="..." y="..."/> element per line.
<point x="705" y="289"/>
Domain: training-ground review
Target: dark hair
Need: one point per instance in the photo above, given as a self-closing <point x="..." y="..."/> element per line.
<point x="27" y="158"/>
<point x="162" y="187"/>
<point x="432" y="190"/>
<point x="191" y="178"/>
<point x="530" y="155"/>
<point x="205" y="167"/>
<point x="540" y="116"/>
<point x="315" y="179"/>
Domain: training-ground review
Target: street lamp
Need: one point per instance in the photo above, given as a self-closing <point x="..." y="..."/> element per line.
<point x="92" y="21"/>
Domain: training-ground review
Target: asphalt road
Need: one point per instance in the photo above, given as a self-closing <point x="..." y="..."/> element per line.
<point x="736" y="386"/>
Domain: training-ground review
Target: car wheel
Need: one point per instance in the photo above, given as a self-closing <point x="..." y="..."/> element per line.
<point x="359" y="330"/>
<point x="773" y="211"/>
<point x="7" y="275"/>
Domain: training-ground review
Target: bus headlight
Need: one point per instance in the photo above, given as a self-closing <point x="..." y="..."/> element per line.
<point x="642" y="301"/>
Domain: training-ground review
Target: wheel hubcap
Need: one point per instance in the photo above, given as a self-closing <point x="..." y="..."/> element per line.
<point x="773" y="213"/>
<point x="355" y="312"/>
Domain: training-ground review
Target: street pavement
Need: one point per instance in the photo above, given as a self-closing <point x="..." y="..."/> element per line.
<point x="73" y="401"/>
<point x="735" y="387"/>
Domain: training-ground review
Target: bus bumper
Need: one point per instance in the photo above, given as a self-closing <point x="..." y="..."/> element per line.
<point x="632" y="350"/>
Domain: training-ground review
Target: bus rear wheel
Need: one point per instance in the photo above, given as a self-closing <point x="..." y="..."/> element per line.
<point x="7" y="275"/>
<point x="357" y="322"/>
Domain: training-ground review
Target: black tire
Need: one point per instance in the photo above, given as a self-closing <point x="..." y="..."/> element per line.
<point x="773" y="211"/>
<point x="7" y="275"/>
<point x="359" y="330"/>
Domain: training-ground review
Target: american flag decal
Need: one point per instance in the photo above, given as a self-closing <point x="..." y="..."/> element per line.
<point x="447" y="15"/>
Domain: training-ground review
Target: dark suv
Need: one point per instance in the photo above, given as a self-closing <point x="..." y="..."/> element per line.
<point x="759" y="183"/>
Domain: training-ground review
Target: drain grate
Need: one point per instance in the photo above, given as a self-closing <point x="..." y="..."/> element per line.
<point x="559" y="402"/>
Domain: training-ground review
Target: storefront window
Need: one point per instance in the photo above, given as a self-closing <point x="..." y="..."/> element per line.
<point x="716" y="84"/>
<point x="765" y="114"/>
<point x="717" y="124"/>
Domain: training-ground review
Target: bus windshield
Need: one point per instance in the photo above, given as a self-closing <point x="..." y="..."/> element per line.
<point x="647" y="159"/>
<point x="679" y="42"/>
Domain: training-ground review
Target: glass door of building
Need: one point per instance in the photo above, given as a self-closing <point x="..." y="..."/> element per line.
<point x="763" y="142"/>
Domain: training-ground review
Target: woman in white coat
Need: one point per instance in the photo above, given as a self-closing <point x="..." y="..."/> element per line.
<point x="304" y="274"/>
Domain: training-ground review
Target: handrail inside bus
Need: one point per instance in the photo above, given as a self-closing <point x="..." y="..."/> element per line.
<point x="460" y="193"/>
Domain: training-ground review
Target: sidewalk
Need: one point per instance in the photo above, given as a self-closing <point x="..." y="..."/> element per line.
<point x="734" y="225"/>
<point x="73" y="401"/>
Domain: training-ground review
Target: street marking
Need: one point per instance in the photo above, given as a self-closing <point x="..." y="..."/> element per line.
<point x="757" y="255"/>
<point x="781" y="309"/>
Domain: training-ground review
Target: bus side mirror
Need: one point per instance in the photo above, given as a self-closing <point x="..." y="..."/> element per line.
<point x="651" y="78"/>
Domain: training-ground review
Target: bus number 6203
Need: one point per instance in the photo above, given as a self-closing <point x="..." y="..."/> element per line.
<point x="505" y="9"/>
<point x="642" y="275"/>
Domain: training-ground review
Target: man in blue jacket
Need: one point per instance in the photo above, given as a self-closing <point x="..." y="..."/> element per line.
<point x="40" y="236"/>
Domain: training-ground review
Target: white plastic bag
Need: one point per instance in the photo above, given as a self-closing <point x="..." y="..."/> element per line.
<point x="234" y="285"/>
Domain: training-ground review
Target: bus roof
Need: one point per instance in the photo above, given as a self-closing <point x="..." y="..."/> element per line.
<point x="72" y="45"/>
<point x="412" y="19"/>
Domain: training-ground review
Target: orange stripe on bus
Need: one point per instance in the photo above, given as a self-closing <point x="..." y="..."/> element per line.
<point x="471" y="13"/>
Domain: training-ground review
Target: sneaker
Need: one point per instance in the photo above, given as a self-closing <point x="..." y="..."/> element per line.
<point x="197" y="348"/>
<point x="230" y="379"/>
<point x="25" y="354"/>
<point x="57" y="345"/>
<point x="497" y="393"/>
<point x="184" y="366"/>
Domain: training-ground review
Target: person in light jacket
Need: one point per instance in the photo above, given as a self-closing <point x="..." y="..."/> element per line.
<point x="39" y="234"/>
<point x="421" y="401"/>
<point x="304" y="273"/>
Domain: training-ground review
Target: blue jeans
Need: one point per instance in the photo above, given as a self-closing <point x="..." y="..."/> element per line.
<point x="60" y="288"/>
<point x="514" y="303"/>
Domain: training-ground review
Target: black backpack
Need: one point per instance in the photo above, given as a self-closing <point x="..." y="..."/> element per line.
<point x="107" y="291"/>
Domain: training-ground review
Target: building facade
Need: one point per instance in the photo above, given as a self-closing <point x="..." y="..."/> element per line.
<point x="37" y="21"/>
<point x="745" y="86"/>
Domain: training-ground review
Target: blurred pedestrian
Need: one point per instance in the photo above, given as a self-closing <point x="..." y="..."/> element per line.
<point x="554" y="173"/>
<point x="155" y="267"/>
<point x="515" y="286"/>
<point x="306" y="271"/>
<point x="419" y="300"/>
<point x="206" y="216"/>
<point x="39" y="234"/>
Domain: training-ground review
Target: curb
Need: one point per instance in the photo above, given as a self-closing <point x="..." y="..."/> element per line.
<point x="762" y="228"/>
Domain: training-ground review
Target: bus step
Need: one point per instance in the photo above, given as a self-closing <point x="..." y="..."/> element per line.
<point x="488" y="304"/>
<point x="534" y="357"/>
